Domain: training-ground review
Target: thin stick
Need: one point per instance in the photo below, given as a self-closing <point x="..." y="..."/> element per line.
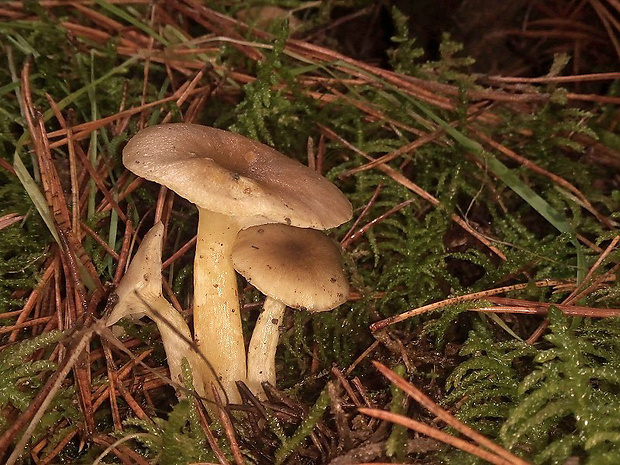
<point x="372" y="223"/>
<point x="344" y="243"/>
<point x="125" y="454"/>
<point x="401" y="179"/>
<point x="60" y="446"/>
<point x="359" y="359"/>
<point x="228" y="428"/>
<point x="537" y="334"/>
<point x="347" y="387"/>
<point x="104" y="392"/>
<point x="83" y="130"/>
<point x="26" y="324"/>
<point x="54" y="385"/>
<point x="444" y="415"/>
<point x="435" y="434"/>
<point x="187" y="91"/>
<point x="553" y="177"/>
<point x="594" y="267"/>
<point x="575" y="294"/>
<point x="458" y="299"/>
<point x="608" y="276"/>
<point x="10" y="219"/>
<point x="405" y="149"/>
<point x="188" y="245"/>
<point x="123" y="257"/>
<point x="215" y="447"/>
<point x="129" y="437"/>
<point x="99" y="241"/>
<point x="112" y="381"/>
<point x="542" y="310"/>
<point x="32" y="299"/>
<point x="546" y="79"/>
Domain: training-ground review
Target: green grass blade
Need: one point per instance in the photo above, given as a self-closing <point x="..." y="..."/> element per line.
<point x="131" y="20"/>
<point x="38" y="200"/>
<point x="495" y="317"/>
<point x="92" y="150"/>
<point x="62" y="104"/>
<point x="506" y="175"/>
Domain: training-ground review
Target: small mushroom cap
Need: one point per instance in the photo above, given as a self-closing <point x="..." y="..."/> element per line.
<point x="144" y="273"/>
<point x="230" y="174"/>
<point x="301" y="268"/>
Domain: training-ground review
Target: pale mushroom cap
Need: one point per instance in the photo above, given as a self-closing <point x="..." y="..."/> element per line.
<point x="144" y="273"/>
<point x="301" y="268"/>
<point x="230" y="174"/>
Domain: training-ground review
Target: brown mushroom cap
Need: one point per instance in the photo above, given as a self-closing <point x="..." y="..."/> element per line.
<point x="301" y="268"/>
<point x="227" y="173"/>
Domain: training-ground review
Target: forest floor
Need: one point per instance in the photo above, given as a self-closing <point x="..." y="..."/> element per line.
<point x="478" y="144"/>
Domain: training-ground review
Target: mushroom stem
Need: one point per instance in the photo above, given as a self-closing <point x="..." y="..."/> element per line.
<point x="263" y="345"/>
<point x="176" y="339"/>
<point x="217" y="319"/>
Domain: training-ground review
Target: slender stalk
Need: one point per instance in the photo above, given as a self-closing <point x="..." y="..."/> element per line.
<point x="217" y="319"/>
<point x="177" y="341"/>
<point x="263" y="345"/>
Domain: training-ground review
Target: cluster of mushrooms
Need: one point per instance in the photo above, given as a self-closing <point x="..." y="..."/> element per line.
<point x="260" y="213"/>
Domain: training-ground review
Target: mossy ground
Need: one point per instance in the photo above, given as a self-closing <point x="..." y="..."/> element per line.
<point x="506" y="183"/>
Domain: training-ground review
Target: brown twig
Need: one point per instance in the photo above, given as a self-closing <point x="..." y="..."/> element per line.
<point x="554" y="177"/>
<point x="60" y="446"/>
<point x="458" y="299"/>
<point x="124" y="453"/>
<point x="555" y="79"/>
<point x="506" y="305"/>
<point x="9" y="220"/>
<point x="401" y="179"/>
<point x="572" y="297"/>
<point x="179" y="253"/>
<point x="104" y="392"/>
<point x="361" y="231"/>
<point x="123" y="257"/>
<point x="346" y="240"/>
<point x="24" y="313"/>
<point x="219" y="454"/>
<point x="42" y="400"/>
<point x="448" y="418"/>
<point x="99" y="241"/>
<point x="228" y="428"/>
<point x="436" y="434"/>
<point x="575" y="295"/>
<point x="112" y="381"/>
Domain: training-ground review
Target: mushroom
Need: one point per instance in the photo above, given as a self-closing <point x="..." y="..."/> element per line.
<point x="139" y="293"/>
<point x="144" y="274"/>
<point x="235" y="183"/>
<point x="298" y="268"/>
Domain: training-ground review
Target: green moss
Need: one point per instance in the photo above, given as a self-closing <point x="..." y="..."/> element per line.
<point x="414" y="256"/>
<point x="21" y="378"/>
<point x="547" y="403"/>
<point x="178" y="439"/>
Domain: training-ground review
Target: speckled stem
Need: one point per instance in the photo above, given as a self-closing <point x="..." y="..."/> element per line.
<point x="263" y="346"/>
<point x="217" y="320"/>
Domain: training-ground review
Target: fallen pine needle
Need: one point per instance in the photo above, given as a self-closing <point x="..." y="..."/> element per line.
<point x="435" y="434"/>
<point x="447" y="417"/>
